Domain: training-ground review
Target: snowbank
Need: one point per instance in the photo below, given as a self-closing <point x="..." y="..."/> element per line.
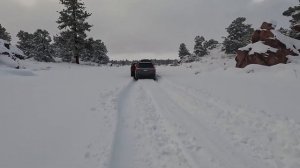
<point x="10" y="55"/>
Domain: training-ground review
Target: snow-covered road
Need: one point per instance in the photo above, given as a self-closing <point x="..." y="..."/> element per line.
<point x="90" y="117"/>
<point x="160" y="124"/>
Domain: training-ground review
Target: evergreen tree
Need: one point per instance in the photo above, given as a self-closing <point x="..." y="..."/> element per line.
<point x="95" y="51"/>
<point x="239" y="35"/>
<point x="199" y="49"/>
<point x="72" y="22"/>
<point x="36" y="45"/>
<point x="293" y="12"/>
<point x="100" y="52"/>
<point x="210" y="44"/>
<point x="289" y="32"/>
<point x="26" y="43"/>
<point x="183" y="51"/>
<point x="4" y="35"/>
<point x="60" y="47"/>
<point x="42" y="49"/>
<point x="284" y="31"/>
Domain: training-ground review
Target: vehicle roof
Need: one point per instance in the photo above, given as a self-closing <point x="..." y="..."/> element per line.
<point x="145" y="63"/>
<point x="145" y="60"/>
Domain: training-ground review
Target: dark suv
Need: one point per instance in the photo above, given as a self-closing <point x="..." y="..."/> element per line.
<point x="145" y="69"/>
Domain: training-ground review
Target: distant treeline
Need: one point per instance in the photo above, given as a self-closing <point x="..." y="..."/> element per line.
<point x="172" y="62"/>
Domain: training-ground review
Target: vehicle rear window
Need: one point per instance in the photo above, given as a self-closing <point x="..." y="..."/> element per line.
<point x="146" y="65"/>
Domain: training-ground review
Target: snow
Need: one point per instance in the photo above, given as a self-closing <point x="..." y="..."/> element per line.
<point x="13" y="49"/>
<point x="274" y="23"/>
<point x="7" y="56"/>
<point x="290" y="43"/>
<point x="258" y="47"/>
<point x="2" y="47"/>
<point x="201" y="114"/>
<point x="7" y="61"/>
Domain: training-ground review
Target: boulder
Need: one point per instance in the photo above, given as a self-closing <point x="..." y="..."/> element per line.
<point x="267" y="26"/>
<point x="296" y="27"/>
<point x="268" y="48"/>
<point x="261" y="35"/>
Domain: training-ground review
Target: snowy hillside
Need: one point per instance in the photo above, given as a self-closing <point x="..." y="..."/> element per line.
<point x="203" y="114"/>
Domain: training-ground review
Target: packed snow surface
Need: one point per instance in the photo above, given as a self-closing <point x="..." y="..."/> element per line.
<point x="205" y="114"/>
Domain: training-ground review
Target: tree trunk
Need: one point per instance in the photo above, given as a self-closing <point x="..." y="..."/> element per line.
<point x="77" y="59"/>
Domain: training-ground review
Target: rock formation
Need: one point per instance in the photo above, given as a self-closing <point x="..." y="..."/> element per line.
<point x="269" y="47"/>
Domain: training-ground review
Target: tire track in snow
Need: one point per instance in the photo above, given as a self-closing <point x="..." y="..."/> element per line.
<point x="142" y="138"/>
<point x="215" y="148"/>
<point x="122" y="143"/>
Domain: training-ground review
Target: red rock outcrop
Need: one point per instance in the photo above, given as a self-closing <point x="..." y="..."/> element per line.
<point x="274" y="51"/>
<point x="267" y="26"/>
<point x="296" y="28"/>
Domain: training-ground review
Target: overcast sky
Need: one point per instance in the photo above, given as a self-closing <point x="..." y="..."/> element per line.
<point x="141" y="28"/>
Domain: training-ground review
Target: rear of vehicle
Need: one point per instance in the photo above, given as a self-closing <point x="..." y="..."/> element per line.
<point x="145" y="70"/>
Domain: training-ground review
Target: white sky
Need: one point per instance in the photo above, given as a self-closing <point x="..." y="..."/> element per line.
<point x="146" y="27"/>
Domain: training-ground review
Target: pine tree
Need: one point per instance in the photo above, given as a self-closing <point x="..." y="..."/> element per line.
<point x="42" y="49"/>
<point x="95" y="51"/>
<point x="4" y="35"/>
<point x="100" y="53"/>
<point x="36" y="45"/>
<point x="293" y="12"/>
<point x="199" y="49"/>
<point x="284" y="31"/>
<point x="239" y="35"/>
<point x="210" y="44"/>
<point x="26" y="43"/>
<point x="183" y="51"/>
<point x="60" y="47"/>
<point x="72" y="22"/>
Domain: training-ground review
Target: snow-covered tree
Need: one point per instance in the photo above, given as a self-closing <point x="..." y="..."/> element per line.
<point x="289" y="32"/>
<point x="239" y="35"/>
<point x="210" y="44"/>
<point x="284" y="31"/>
<point x="183" y="51"/>
<point x="95" y="51"/>
<point x="199" y="49"/>
<point x="60" y="47"/>
<point x="100" y="53"/>
<point x="4" y="35"/>
<point x="202" y="46"/>
<point x="42" y="49"/>
<point x="26" y="43"/>
<point x="294" y="12"/>
<point x="36" y="45"/>
<point x="72" y="22"/>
